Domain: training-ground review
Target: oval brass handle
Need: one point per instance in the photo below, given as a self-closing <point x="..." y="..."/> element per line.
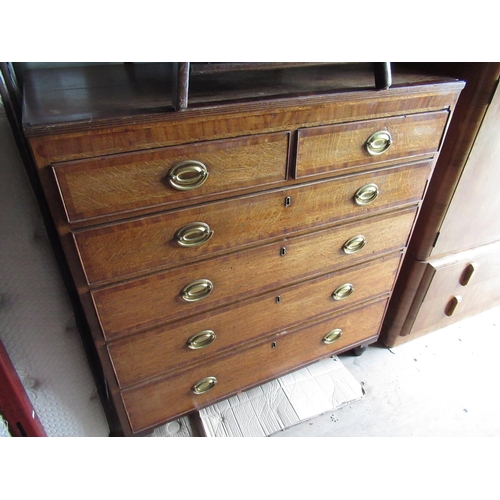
<point x="378" y="143"/>
<point x="366" y="194"/>
<point x="197" y="290"/>
<point x="467" y="274"/>
<point x="354" y="244"/>
<point x="187" y="175"/>
<point x="343" y="291"/>
<point x="452" y="305"/>
<point x="193" y="234"/>
<point x="204" y="385"/>
<point x="201" y="339"/>
<point x="332" y="336"/>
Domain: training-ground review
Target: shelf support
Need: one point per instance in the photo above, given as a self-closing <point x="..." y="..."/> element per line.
<point x="181" y="86"/>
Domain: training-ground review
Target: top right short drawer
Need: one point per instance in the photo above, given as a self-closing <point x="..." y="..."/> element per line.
<point x="334" y="148"/>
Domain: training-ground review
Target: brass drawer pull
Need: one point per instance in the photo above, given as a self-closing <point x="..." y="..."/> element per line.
<point x="354" y="244"/>
<point x="378" y="143"/>
<point x="343" y="291"/>
<point x="201" y="339"/>
<point x="193" y="234"/>
<point x="332" y="336"/>
<point x="197" y="290"/>
<point x="204" y="385"/>
<point x="187" y="175"/>
<point x="366" y="194"/>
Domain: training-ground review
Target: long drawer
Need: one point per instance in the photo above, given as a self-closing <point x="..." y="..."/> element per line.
<point x="192" y="289"/>
<point x="333" y="148"/>
<point x="129" y="248"/>
<point x="124" y="182"/>
<point x="164" y="400"/>
<point x="154" y="352"/>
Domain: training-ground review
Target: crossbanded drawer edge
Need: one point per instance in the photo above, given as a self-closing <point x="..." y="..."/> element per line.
<point x="122" y="183"/>
<point x="117" y="251"/>
<point x="160" y="401"/>
<point x="125" y="308"/>
<point x="334" y="148"/>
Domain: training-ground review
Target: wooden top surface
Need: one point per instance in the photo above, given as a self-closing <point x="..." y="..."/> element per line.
<point x="96" y="95"/>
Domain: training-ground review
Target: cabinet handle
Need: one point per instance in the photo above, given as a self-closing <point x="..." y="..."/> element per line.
<point x="366" y="194"/>
<point x="193" y="234"/>
<point x="187" y="175"/>
<point x="467" y="274"/>
<point x="378" y="143"/>
<point x="452" y="305"/>
<point x="201" y="339"/>
<point x="197" y="290"/>
<point x="204" y="385"/>
<point x="343" y="291"/>
<point x="354" y="244"/>
<point x="332" y="336"/>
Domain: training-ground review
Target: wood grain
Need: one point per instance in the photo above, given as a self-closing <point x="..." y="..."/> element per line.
<point x="163" y="349"/>
<point x="164" y="400"/>
<point x="147" y="302"/>
<point x="117" y="224"/>
<point x="128" y="248"/>
<point x="75" y="141"/>
<point x="120" y="183"/>
<point x="336" y="147"/>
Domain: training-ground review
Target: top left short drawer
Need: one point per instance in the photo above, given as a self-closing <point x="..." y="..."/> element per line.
<point x="170" y="176"/>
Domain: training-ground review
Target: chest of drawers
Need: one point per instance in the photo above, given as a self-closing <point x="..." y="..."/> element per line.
<point x="216" y="248"/>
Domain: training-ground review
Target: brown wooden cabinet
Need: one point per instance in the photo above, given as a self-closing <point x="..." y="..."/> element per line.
<point x="258" y="230"/>
<point x="451" y="270"/>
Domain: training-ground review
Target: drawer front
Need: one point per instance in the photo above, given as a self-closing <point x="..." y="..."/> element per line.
<point x="147" y="302"/>
<point x="167" y="399"/>
<point x="120" y="183"/>
<point x="124" y="249"/>
<point x="154" y="352"/>
<point x="460" y="290"/>
<point x="337" y="147"/>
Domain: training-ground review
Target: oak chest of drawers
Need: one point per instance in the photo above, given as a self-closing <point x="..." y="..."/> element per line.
<point x="217" y="248"/>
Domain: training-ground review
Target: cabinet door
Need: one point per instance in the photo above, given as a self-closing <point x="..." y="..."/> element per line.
<point x="472" y="218"/>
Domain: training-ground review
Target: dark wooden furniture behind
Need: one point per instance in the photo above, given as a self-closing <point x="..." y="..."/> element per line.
<point x="15" y="405"/>
<point x="452" y="268"/>
<point x="257" y="231"/>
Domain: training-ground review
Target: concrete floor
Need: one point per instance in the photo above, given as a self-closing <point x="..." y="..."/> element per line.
<point x="443" y="384"/>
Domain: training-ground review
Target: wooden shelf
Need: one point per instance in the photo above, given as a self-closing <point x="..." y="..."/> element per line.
<point x="94" y="96"/>
<point x="185" y="76"/>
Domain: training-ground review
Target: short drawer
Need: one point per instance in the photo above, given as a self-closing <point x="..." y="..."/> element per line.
<point x="334" y="148"/>
<point x="458" y="286"/>
<point x="148" y="354"/>
<point x="192" y="289"/>
<point x="162" y="177"/>
<point x="164" y="400"/>
<point x="173" y="238"/>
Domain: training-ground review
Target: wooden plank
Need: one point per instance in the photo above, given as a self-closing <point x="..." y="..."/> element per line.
<point x="181" y="86"/>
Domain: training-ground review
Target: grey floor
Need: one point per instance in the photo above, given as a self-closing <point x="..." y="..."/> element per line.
<point x="444" y="384"/>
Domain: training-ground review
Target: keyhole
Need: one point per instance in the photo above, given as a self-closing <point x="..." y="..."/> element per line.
<point x="283" y="251"/>
<point x="278" y="299"/>
<point x="273" y="345"/>
<point x="288" y="201"/>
